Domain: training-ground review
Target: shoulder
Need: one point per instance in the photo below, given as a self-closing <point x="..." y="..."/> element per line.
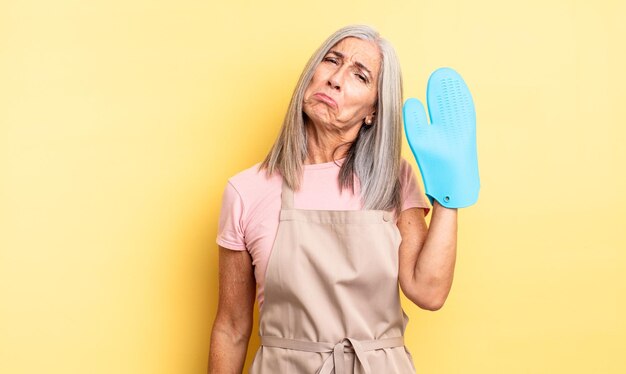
<point x="412" y="193"/>
<point x="252" y="183"/>
<point x="406" y="170"/>
<point x="250" y="176"/>
<point x="404" y="163"/>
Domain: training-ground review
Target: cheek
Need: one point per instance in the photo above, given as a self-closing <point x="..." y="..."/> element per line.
<point x="315" y="79"/>
<point x="364" y="100"/>
<point x="317" y="74"/>
<point x="371" y="99"/>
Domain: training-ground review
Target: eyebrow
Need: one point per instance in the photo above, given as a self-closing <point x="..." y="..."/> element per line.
<point x="360" y="65"/>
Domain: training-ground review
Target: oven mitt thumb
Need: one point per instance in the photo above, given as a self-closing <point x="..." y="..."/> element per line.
<point x="445" y="149"/>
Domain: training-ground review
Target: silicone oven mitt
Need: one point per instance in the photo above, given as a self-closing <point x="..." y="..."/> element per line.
<point x="445" y="148"/>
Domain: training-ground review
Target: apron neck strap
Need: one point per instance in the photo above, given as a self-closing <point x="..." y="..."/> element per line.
<point x="286" y="196"/>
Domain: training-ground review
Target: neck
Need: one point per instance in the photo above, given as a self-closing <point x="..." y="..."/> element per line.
<point x="321" y="144"/>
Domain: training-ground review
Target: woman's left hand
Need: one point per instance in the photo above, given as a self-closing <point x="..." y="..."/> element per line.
<point x="445" y="149"/>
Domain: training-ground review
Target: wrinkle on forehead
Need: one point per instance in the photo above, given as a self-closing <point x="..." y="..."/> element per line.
<point x="366" y="52"/>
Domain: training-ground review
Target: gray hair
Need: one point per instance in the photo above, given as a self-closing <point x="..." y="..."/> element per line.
<point x="374" y="157"/>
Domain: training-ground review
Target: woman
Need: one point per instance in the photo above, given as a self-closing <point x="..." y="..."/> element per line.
<point x="329" y="224"/>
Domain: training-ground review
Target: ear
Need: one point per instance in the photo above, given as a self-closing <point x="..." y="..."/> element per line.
<point x="373" y="116"/>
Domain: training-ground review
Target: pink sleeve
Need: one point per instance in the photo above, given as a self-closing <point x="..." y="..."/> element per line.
<point x="412" y="195"/>
<point x="230" y="226"/>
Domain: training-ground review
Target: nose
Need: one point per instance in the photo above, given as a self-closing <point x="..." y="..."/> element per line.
<point x="335" y="80"/>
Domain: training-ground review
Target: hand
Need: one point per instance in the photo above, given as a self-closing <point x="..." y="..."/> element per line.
<point x="445" y="149"/>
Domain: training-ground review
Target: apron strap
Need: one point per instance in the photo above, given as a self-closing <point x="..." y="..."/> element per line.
<point x="336" y="360"/>
<point x="286" y="196"/>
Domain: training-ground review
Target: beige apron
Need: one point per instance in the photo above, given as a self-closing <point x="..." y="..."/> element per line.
<point x="332" y="302"/>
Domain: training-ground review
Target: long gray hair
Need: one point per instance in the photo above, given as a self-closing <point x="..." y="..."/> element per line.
<point x="374" y="156"/>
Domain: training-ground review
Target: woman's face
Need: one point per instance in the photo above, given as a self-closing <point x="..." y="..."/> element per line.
<point x="344" y="87"/>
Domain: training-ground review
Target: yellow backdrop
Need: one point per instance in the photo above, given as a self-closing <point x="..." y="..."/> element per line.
<point x="120" y="122"/>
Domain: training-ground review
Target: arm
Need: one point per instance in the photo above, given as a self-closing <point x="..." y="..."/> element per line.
<point x="446" y="152"/>
<point x="233" y="323"/>
<point x="427" y="255"/>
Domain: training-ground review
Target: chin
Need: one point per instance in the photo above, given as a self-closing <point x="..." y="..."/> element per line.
<point x="317" y="117"/>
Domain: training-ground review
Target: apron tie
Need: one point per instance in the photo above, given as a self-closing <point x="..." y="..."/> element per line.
<point x="336" y="360"/>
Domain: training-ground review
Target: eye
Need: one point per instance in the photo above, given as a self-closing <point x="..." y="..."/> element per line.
<point x="330" y="59"/>
<point x="362" y="77"/>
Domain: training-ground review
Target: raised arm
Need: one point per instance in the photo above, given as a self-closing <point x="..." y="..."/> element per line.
<point x="446" y="153"/>
<point x="427" y="255"/>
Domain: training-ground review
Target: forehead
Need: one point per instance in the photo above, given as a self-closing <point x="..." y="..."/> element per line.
<point x="359" y="50"/>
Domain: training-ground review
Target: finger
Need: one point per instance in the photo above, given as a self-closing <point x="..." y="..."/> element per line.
<point x="415" y="122"/>
<point x="415" y="125"/>
<point x="449" y="100"/>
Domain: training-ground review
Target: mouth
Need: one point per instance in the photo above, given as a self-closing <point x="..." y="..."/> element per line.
<point x="327" y="99"/>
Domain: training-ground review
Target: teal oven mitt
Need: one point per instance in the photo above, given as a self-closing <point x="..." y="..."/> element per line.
<point x="445" y="149"/>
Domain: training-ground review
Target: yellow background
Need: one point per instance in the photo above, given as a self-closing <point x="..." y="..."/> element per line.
<point x="120" y="122"/>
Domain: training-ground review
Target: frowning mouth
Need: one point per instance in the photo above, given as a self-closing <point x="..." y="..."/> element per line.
<point x="327" y="99"/>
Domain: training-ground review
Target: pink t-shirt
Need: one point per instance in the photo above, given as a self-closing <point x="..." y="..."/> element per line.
<point x="251" y="206"/>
